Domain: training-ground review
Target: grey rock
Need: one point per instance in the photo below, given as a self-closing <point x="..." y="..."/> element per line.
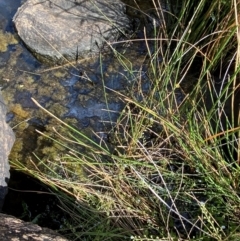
<point x="12" y="228"/>
<point x="6" y="141"/>
<point x="69" y="28"/>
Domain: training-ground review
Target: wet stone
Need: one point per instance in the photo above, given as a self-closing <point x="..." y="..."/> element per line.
<point x="6" y="142"/>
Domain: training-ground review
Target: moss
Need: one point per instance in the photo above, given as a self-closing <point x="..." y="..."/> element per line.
<point x="5" y="40"/>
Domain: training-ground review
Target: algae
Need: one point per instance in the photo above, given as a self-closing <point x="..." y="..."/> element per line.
<point x="15" y="153"/>
<point x="75" y="95"/>
<point x="60" y="73"/>
<point x="18" y="110"/>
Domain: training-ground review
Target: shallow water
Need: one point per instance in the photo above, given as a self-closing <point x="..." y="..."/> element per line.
<point x="77" y="94"/>
<point x="82" y="94"/>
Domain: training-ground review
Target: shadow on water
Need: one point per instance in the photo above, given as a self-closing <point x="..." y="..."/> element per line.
<point x="7" y="11"/>
<point x="30" y="201"/>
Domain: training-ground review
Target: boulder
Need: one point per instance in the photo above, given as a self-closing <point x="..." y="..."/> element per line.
<point x="12" y="228"/>
<point x="6" y="141"/>
<point x="58" y="29"/>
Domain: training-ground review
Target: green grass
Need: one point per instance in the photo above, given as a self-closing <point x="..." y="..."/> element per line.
<point x="169" y="172"/>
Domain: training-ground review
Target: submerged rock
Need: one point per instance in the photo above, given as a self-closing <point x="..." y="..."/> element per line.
<point x="6" y="141"/>
<point x="59" y="29"/>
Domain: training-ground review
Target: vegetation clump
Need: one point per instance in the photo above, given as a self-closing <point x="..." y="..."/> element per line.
<point x="169" y="169"/>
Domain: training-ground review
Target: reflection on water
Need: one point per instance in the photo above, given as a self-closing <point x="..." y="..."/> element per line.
<point x="7" y="10"/>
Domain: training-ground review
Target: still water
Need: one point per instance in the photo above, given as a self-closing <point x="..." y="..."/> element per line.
<point x="80" y="94"/>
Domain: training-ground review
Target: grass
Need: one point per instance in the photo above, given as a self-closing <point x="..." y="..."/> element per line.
<point x="170" y="170"/>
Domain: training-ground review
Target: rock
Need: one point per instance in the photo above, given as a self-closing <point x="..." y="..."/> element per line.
<point x="6" y="141"/>
<point x="12" y="228"/>
<point x="69" y="28"/>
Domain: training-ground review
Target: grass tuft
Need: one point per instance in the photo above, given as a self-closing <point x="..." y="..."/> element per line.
<point x="170" y="169"/>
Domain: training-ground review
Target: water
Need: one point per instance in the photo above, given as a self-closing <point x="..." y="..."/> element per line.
<point x="82" y="95"/>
